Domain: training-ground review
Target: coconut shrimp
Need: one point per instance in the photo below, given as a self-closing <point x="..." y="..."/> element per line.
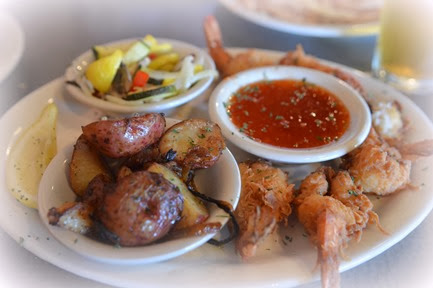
<point x="265" y="201"/>
<point x="226" y="63"/>
<point x="333" y="211"/>
<point x="299" y="58"/>
<point x="229" y="64"/>
<point x="382" y="169"/>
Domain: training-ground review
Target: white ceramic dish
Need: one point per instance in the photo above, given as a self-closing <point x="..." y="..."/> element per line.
<point x="362" y="29"/>
<point x="360" y="118"/>
<point x="82" y="94"/>
<point x="55" y="190"/>
<point x="276" y="264"/>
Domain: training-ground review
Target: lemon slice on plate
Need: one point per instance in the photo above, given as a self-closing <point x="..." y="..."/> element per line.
<point x="30" y="155"/>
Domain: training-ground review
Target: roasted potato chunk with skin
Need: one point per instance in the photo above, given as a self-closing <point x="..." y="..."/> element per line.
<point x="125" y="137"/>
<point x="197" y="143"/>
<point x="85" y="164"/>
<point x="194" y="212"/>
<point x="141" y="208"/>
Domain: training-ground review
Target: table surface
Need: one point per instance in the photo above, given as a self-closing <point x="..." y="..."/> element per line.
<point x="56" y="31"/>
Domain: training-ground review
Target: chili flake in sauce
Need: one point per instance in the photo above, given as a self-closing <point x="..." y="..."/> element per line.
<point x="288" y="113"/>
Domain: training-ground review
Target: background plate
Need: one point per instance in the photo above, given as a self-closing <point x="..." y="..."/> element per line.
<point x="363" y="29"/>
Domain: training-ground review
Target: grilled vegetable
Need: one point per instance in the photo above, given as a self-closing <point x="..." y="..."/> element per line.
<point x="137" y="52"/>
<point x="101" y="72"/>
<point x="160" y="92"/>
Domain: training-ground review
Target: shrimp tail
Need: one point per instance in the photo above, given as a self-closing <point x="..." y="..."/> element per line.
<point x="215" y="43"/>
<point x="415" y="150"/>
<point x="329" y="238"/>
<point x="260" y="225"/>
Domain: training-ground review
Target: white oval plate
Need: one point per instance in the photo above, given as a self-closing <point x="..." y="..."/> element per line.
<point x="54" y="190"/>
<point x="318" y="30"/>
<point x="82" y="94"/>
<point x="276" y="264"/>
<point x="360" y="117"/>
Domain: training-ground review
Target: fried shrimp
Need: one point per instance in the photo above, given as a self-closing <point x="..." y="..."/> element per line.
<point x="382" y="169"/>
<point x="299" y="58"/>
<point x="378" y="167"/>
<point x="265" y="201"/>
<point x="333" y="211"/>
<point x="229" y="64"/>
<point x="226" y="63"/>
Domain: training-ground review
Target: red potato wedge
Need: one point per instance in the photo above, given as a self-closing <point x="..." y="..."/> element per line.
<point x="141" y="208"/>
<point x="198" y="143"/>
<point x="194" y="212"/>
<point x="125" y="137"/>
<point x="85" y="164"/>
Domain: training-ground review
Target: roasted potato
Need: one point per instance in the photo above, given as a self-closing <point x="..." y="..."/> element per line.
<point x="194" y="212"/>
<point x="85" y="164"/>
<point x="125" y="137"/>
<point x="197" y="143"/>
<point x="141" y="208"/>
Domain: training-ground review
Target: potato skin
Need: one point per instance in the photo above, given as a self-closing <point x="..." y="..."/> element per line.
<point x="198" y="143"/>
<point x="125" y="137"/>
<point x="194" y="212"/>
<point x="142" y="208"/>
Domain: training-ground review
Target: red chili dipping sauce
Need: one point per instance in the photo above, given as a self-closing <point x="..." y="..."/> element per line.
<point x="288" y="113"/>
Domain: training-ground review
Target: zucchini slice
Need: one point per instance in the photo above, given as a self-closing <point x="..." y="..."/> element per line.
<point x="161" y="92"/>
<point x="138" y="51"/>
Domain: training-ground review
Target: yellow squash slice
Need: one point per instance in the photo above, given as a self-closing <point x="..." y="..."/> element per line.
<point x="102" y="71"/>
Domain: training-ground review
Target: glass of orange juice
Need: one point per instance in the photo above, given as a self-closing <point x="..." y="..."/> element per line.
<point x="404" y="52"/>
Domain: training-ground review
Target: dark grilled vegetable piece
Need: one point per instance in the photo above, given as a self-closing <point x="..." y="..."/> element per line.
<point x="160" y="92"/>
<point x="122" y="80"/>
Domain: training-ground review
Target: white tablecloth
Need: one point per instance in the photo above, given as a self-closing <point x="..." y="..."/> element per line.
<point x="56" y="31"/>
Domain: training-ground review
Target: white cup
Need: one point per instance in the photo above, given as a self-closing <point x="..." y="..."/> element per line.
<point x="404" y="52"/>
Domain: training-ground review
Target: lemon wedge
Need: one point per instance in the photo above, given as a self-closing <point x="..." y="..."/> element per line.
<point x="30" y="155"/>
<point x="102" y="71"/>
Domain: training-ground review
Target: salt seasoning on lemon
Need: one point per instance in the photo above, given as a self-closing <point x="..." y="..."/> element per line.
<point x="30" y="155"/>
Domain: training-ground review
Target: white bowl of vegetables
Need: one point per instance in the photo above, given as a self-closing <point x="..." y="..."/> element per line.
<point x="140" y="75"/>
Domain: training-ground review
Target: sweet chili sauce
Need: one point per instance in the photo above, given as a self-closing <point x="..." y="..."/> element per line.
<point x="288" y="113"/>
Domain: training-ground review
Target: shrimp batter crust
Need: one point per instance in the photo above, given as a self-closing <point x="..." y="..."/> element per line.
<point x="265" y="201"/>
<point x="333" y="211"/>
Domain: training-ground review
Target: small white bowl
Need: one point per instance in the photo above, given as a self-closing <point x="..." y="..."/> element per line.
<point x="360" y="117"/>
<point x="221" y="181"/>
<point x="82" y="94"/>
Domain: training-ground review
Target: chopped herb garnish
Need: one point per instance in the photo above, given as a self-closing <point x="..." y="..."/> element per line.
<point x="201" y="136"/>
<point x="352" y="192"/>
<point x="175" y="131"/>
<point x="191" y="141"/>
<point x="279" y="117"/>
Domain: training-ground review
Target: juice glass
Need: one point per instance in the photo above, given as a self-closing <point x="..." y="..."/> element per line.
<point x="404" y="52"/>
